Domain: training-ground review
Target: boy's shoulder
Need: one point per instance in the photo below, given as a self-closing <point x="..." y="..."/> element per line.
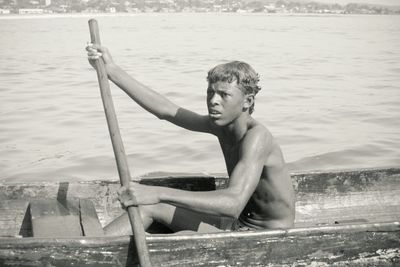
<point x="258" y="130"/>
<point x="257" y="134"/>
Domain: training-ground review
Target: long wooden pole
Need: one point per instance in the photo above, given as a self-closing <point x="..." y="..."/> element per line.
<point x="119" y="151"/>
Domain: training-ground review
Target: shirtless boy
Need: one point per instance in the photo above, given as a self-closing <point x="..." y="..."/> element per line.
<point x="260" y="193"/>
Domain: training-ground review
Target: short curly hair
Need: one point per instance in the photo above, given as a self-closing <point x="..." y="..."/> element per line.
<point x="243" y="73"/>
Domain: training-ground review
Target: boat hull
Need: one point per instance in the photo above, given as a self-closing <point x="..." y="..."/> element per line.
<point x="361" y="245"/>
<point x="346" y="218"/>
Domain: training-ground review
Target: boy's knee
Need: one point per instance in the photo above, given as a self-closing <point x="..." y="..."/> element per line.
<point x="147" y="210"/>
<point x="161" y="212"/>
<point x="153" y="211"/>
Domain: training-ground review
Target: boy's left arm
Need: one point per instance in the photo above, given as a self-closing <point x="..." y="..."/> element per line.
<point x="227" y="202"/>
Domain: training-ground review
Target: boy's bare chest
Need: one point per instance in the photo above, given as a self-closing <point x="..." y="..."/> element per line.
<point x="231" y="154"/>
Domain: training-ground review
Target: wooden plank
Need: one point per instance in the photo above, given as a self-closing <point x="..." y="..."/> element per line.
<point x="367" y="206"/>
<point x="89" y="221"/>
<point x="12" y="215"/>
<point x="51" y="218"/>
<point x="347" y="181"/>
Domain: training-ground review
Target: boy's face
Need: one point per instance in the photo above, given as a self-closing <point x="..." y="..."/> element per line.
<point x="225" y="102"/>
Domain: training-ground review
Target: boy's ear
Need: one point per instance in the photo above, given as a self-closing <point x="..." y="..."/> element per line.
<point x="248" y="101"/>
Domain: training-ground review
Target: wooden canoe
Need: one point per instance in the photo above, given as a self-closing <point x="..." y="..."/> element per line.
<point x="343" y="218"/>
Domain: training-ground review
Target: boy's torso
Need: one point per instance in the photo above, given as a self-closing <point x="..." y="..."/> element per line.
<point x="272" y="203"/>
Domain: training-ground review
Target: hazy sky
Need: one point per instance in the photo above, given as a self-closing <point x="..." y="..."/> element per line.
<point x="376" y="2"/>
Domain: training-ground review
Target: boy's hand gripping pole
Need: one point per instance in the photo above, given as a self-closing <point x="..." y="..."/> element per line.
<point x="119" y="152"/>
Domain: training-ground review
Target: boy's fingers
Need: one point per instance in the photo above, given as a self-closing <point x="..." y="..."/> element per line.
<point x="95" y="47"/>
<point x="89" y="44"/>
<point x="126" y="205"/>
<point x="121" y="190"/>
<point x="98" y="47"/>
<point x="94" y="55"/>
<point x="91" y="50"/>
<point x="89" y="47"/>
<point x="129" y="203"/>
<point x="125" y="200"/>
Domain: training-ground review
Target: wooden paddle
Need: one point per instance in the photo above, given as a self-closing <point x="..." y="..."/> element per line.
<point x="119" y="151"/>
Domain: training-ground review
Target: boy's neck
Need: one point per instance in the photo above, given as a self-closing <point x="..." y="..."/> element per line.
<point x="236" y="130"/>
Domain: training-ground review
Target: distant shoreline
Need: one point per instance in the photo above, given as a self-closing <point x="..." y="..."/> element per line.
<point x="124" y="14"/>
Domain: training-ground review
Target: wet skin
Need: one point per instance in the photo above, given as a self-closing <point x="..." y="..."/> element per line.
<point x="272" y="203"/>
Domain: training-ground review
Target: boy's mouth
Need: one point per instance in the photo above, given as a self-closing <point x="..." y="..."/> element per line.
<point x="214" y="113"/>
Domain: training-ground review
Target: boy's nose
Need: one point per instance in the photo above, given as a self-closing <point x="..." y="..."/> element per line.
<point x="214" y="99"/>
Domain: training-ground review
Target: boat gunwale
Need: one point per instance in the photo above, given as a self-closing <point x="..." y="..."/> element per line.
<point x="8" y="242"/>
<point x="173" y="175"/>
<point x="345" y="170"/>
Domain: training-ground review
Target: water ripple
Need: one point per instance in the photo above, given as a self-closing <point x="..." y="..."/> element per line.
<point x="329" y="106"/>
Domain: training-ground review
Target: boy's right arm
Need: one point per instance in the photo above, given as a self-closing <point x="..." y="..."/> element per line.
<point x="147" y="98"/>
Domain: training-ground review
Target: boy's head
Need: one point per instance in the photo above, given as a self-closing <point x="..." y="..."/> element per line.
<point x="241" y="72"/>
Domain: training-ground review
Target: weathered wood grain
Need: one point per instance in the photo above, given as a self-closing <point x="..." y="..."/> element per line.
<point x="340" y="219"/>
<point x="102" y="193"/>
<point x="51" y="218"/>
<point x="88" y="218"/>
<point x="322" y="198"/>
<point x="12" y="215"/>
<point x="355" y="245"/>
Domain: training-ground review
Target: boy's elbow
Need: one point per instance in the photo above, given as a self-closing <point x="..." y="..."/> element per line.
<point x="237" y="211"/>
<point x="168" y="113"/>
<point x="233" y="213"/>
<point x="165" y="116"/>
<point x="234" y="208"/>
<point x="161" y="116"/>
<point x="160" y="113"/>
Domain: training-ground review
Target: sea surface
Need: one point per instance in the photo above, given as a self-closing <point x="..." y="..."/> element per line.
<point x="330" y="91"/>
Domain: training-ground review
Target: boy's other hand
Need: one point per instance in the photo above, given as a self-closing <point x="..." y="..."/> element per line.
<point x="137" y="194"/>
<point x="95" y="52"/>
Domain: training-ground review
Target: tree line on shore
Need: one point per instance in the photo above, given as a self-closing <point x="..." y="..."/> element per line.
<point x="280" y="6"/>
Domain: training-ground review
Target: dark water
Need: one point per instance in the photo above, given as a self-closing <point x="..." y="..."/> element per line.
<point x="331" y="91"/>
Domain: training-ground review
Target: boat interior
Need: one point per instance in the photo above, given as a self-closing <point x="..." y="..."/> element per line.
<point x="63" y="209"/>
